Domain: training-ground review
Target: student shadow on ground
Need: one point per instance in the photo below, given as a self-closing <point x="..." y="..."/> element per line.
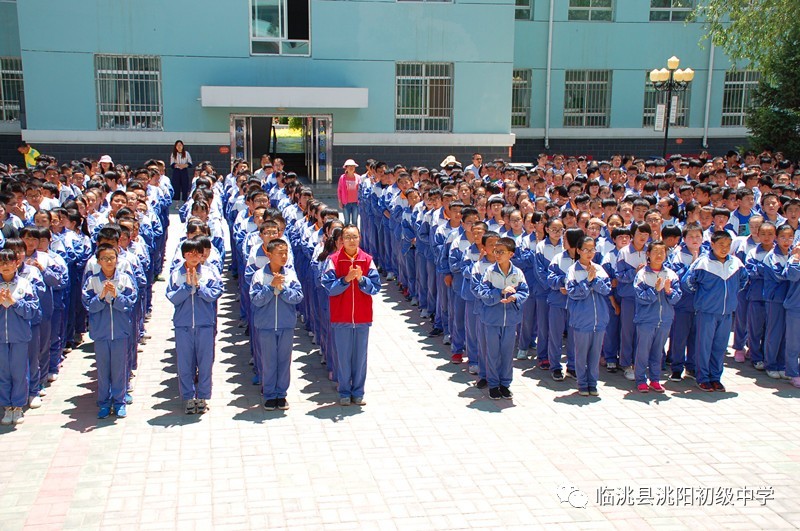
<point x="83" y="413"/>
<point x="168" y="395"/>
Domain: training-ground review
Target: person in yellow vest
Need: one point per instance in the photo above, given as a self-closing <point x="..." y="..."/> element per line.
<point x="29" y="153"/>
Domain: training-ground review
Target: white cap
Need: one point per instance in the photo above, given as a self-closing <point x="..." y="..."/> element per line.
<point x="350" y="162"/>
<point x="450" y="159"/>
<point x="106" y="158"/>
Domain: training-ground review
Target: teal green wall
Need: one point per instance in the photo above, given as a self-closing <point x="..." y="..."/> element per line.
<point x="9" y="30"/>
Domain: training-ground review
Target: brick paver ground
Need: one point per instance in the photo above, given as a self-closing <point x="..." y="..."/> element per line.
<point x="429" y="451"/>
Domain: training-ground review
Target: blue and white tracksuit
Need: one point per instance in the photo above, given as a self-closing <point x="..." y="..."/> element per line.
<point x="653" y="319"/>
<point x="791" y="304"/>
<point x="501" y="320"/>
<point x="683" y="336"/>
<point x="628" y="264"/>
<point x="545" y="252"/>
<point x="195" y="321"/>
<point x="775" y="286"/>
<point x="558" y="316"/>
<point x="588" y="320"/>
<point x="740" y="247"/>
<point x="716" y="286"/>
<point x="611" y="340"/>
<point x="111" y="328"/>
<point x="274" y="319"/>
<point x="15" y="334"/>
<point x="757" y="309"/>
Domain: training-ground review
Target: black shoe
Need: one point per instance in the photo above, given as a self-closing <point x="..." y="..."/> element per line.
<point x="435" y="332"/>
<point x="718" y="386"/>
<point x="494" y="393"/>
<point x="505" y="392"/>
<point x="611" y="366"/>
<point x="271" y="404"/>
<point x="677" y="376"/>
<point x="572" y="374"/>
<point x="481" y="384"/>
<point x="282" y="404"/>
<point x="558" y="375"/>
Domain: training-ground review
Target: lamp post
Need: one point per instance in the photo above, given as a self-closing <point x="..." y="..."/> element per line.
<point x="669" y="80"/>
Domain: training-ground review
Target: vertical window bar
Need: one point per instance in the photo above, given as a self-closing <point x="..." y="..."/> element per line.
<point x="128" y="92"/>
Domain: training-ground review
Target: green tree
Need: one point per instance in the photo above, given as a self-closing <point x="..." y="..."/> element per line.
<point x="774" y="119"/>
<point x="748" y="29"/>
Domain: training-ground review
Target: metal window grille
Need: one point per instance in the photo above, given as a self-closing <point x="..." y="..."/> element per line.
<point x="737" y="96"/>
<point x="129" y="92"/>
<point x="587" y="98"/>
<point x="653" y="97"/>
<point x="670" y="10"/>
<point x="521" y="98"/>
<point x="523" y="10"/>
<point x="10" y="88"/>
<point x="593" y="10"/>
<point x="280" y="27"/>
<point x="424" y="97"/>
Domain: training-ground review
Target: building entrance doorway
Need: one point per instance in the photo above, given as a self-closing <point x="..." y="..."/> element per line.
<point x="304" y="142"/>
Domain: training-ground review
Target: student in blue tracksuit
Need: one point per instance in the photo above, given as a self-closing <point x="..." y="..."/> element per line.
<point x="471" y="304"/>
<point x="486" y="259"/>
<point x="455" y="249"/>
<point x="657" y="291"/>
<point x="716" y="279"/>
<point x="503" y="291"/>
<point x="546" y="250"/>
<point x="792" y="305"/>
<point x="194" y="289"/>
<point x="620" y="238"/>
<point x="631" y="259"/>
<point x="775" y="287"/>
<point x="558" y="317"/>
<point x="757" y="310"/>
<point x="741" y="246"/>
<point x="18" y="304"/>
<point x="683" y="335"/>
<point x="109" y="296"/>
<point x="588" y="287"/>
<point x="274" y="294"/>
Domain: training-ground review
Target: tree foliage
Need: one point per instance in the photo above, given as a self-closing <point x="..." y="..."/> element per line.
<point x="774" y="118"/>
<point x="748" y="29"/>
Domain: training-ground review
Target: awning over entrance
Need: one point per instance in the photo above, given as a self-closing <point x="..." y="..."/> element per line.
<point x="285" y="97"/>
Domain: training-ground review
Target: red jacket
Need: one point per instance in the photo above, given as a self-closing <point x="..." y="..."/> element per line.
<point x="353" y="305"/>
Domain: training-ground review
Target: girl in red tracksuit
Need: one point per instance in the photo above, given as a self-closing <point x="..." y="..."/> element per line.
<point x="351" y="279"/>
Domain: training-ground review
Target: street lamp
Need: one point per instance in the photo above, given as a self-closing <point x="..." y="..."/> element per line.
<point x="669" y="80"/>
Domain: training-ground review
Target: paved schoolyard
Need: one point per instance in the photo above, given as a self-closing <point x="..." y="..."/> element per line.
<point x="429" y="451"/>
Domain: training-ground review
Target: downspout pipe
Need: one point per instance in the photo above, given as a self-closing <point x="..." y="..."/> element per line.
<point x="708" y="96"/>
<point x="549" y="75"/>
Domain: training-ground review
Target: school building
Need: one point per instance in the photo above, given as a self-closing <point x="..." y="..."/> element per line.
<point x="405" y="80"/>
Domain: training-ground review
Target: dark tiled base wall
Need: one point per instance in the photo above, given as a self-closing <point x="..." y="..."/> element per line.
<point x="429" y="156"/>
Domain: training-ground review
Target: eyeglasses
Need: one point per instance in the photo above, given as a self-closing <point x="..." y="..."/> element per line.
<point x="500" y="252"/>
<point x="350" y="238"/>
<point x="107" y="259"/>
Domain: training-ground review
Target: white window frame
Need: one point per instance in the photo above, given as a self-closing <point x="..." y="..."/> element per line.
<point x="652" y="98"/>
<point x="10" y="76"/>
<point x="595" y="13"/>
<point x="592" y="87"/>
<point x="735" y="115"/>
<point x="424" y="115"/>
<point x="523" y="10"/>
<point x="147" y="68"/>
<point x="284" y="45"/>
<point x="521" y="94"/>
<point x="677" y="13"/>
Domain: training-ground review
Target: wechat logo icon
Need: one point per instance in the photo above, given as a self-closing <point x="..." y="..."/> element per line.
<point x="572" y="495"/>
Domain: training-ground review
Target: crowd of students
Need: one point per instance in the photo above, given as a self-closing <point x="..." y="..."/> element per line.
<point x="638" y="265"/>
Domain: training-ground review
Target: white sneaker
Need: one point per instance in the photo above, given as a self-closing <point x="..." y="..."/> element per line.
<point x="390" y="277"/>
<point x="759" y="365"/>
<point x="774" y="374"/>
<point x="8" y="416"/>
<point x="52" y="377"/>
<point x="522" y="354"/>
<point x="16" y="416"/>
<point x="424" y="314"/>
<point x="34" y="402"/>
<point x="414" y="301"/>
<point x="446" y="339"/>
<point x="783" y="375"/>
<point x="42" y="392"/>
<point x="629" y="374"/>
<point x="473" y="369"/>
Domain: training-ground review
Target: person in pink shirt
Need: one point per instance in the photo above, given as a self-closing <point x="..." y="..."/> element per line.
<point x="348" y="192"/>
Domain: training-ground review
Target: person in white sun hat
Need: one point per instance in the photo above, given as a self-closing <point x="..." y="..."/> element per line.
<point x="348" y="192"/>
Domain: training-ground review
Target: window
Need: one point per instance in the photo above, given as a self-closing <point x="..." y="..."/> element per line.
<point x="523" y="10"/>
<point x="424" y="97"/>
<point x="280" y="27"/>
<point x="670" y="10"/>
<point x="424" y="0"/>
<point x="521" y="98"/>
<point x="128" y="92"/>
<point x="737" y="96"/>
<point x="10" y="88"/>
<point x="587" y="98"/>
<point x="595" y="10"/>
<point x="652" y="97"/>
